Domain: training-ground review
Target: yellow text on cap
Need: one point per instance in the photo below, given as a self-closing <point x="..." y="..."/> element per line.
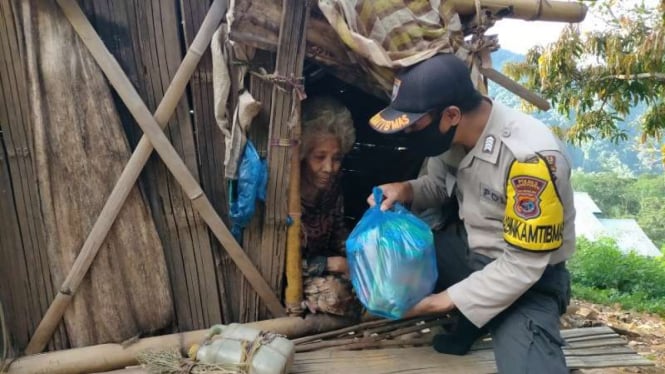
<point x="385" y="125"/>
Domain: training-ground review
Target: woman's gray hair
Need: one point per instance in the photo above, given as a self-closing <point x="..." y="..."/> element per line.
<point x="326" y="116"/>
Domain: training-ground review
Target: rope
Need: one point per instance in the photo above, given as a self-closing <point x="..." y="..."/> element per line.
<point x="186" y="367"/>
<point x="280" y="81"/>
<point x="284" y="142"/>
<point x="250" y="348"/>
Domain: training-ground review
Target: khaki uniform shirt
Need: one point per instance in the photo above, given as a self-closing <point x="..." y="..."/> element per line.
<point x="485" y="185"/>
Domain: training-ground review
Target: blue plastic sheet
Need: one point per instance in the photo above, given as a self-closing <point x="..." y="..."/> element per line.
<point x="391" y="259"/>
<point x="250" y="186"/>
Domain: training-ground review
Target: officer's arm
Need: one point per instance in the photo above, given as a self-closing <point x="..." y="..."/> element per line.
<point x="429" y="190"/>
<point x="532" y="233"/>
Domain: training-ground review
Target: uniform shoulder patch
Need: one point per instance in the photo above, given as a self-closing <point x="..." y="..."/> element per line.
<point x="533" y="219"/>
<point x="528" y="190"/>
<point x="551" y="161"/>
<point x="488" y="144"/>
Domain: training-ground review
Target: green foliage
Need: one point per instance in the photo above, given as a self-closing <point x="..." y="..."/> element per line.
<point x="627" y="301"/>
<point x="631" y="158"/>
<point x="596" y="78"/>
<point x="602" y="274"/>
<point x="641" y="198"/>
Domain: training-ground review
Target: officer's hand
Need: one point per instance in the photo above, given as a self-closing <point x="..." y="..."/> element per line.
<point x="393" y="192"/>
<point x="432" y="304"/>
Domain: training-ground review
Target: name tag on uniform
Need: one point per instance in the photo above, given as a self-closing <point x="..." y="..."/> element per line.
<point x="488" y="194"/>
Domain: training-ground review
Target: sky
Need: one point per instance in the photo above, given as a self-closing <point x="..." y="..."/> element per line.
<point x="518" y="36"/>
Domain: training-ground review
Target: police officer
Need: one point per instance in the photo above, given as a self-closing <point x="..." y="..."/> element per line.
<point x="506" y="179"/>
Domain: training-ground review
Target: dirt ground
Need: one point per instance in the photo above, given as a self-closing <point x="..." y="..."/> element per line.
<point x="644" y="332"/>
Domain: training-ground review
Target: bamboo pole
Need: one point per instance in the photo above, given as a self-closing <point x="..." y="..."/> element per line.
<point x="337" y="333"/>
<point x="123" y="86"/>
<point x="125" y="183"/>
<point x="368" y="339"/>
<point x="105" y="357"/>
<point x="530" y="10"/>
<point x="350" y="344"/>
<point x="293" y="294"/>
<point x="489" y="72"/>
<point x="515" y="88"/>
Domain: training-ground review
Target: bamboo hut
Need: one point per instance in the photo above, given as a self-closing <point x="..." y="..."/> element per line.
<point x="103" y="240"/>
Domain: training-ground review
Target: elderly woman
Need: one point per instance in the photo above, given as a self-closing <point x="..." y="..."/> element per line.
<point x="327" y="135"/>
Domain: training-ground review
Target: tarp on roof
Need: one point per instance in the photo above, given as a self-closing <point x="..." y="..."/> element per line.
<point x="391" y="34"/>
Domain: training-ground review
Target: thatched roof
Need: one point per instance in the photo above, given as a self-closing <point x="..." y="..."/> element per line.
<point x="257" y="24"/>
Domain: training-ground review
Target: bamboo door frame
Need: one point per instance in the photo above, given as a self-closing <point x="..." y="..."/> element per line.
<point x="153" y="137"/>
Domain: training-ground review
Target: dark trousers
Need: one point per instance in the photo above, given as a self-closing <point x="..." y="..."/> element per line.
<point x="525" y="336"/>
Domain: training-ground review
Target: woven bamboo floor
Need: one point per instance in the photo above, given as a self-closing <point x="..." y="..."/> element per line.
<point x="596" y="347"/>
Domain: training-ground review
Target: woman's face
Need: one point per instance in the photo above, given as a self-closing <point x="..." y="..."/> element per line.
<point x="323" y="162"/>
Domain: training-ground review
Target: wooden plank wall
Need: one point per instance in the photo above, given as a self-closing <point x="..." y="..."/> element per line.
<point x="26" y="287"/>
<point x="242" y="304"/>
<point x="13" y="291"/>
<point x="145" y="38"/>
<point x="210" y="146"/>
<point x="288" y="63"/>
<point x="251" y="307"/>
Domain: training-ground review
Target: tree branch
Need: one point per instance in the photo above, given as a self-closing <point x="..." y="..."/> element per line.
<point x="657" y="76"/>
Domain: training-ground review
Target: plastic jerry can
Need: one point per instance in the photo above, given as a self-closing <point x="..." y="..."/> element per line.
<point x="264" y="352"/>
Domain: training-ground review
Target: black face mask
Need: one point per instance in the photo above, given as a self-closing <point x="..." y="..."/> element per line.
<point x="430" y="142"/>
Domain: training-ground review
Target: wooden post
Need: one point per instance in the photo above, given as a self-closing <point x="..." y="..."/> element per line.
<point x="284" y="127"/>
<point x="293" y="294"/>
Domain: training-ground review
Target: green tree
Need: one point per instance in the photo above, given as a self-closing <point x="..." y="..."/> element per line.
<point x="650" y="193"/>
<point x="641" y="198"/>
<point x="610" y="192"/>
<point x="597" y="77"/>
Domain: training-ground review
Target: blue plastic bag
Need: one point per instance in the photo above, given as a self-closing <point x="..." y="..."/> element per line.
<point x="391" y="259"/>
<point x="250" y="186"/>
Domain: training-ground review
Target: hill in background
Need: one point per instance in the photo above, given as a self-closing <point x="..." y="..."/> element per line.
<point x="627" y="157"/>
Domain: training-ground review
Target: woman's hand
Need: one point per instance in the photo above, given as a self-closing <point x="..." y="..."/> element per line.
<point x="338" y="264"/>
<point x="393" y="192"/>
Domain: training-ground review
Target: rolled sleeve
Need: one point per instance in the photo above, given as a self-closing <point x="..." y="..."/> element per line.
<point x="491" y="290"/>
<point x="487" y="292"/>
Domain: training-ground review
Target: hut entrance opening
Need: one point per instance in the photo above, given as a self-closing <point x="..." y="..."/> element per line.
<point x="375" y="158"/>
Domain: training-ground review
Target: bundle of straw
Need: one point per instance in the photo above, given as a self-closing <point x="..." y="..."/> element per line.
<point x="170" y="361"/>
